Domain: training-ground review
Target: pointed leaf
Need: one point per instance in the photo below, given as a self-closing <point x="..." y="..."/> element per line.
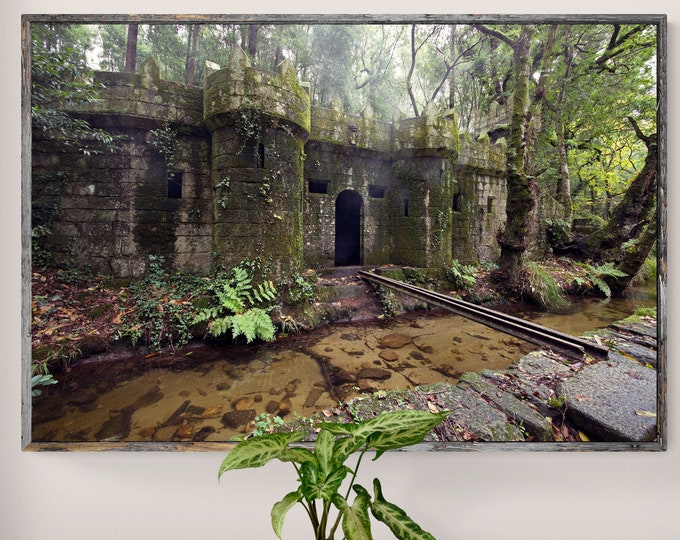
<point x="280" y="509"/>
<point x="356" y="523"/>
<point x="259" y="451"/>
<point x="316" y="485"/>
<point x="323" y="450"/>
<point x="402" y="526"/>
<point x="345" y="446"/>
<point x="397" y="429"/>
<point x="297" y="455"/>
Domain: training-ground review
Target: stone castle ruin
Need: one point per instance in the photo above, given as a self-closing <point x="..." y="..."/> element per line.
<point x="244" y="168"/>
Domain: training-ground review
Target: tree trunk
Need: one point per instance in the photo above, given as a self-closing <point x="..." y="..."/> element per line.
<point x="192" y="44"/>
<point x="563" y="181"/>
<point x="131" y="48"/>
<point x="520" y="199"/>
<point x="632" y="214"/>
<point x="634" y="258"/>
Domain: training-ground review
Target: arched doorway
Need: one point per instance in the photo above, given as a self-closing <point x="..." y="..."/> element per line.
<point x="348" y="208"/>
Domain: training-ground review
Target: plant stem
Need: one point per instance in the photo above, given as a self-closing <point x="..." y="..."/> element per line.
<point x="349" y="490"/>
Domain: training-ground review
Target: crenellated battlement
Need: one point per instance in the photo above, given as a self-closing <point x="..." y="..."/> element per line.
<point x="257" y="172"/>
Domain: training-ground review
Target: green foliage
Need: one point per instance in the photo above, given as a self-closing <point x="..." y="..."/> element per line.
<point x="164" y="140"/>
<point x="242" y="307"/>
<point x="40" y="377"/>
<point x="596" y="276"/>
<point x="542" y="287"/>
<point x="322" y="472"/>
<point x="162" y="312"/>
<point x="460" y="275"/>
<point x="557" y="231"/>
<point x="302" y="288"/>
<point x="61" y="78"/>
<point x="266" y="423"/>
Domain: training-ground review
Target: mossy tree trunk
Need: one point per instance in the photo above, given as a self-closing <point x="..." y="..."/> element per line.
<point x="520" y="202"/>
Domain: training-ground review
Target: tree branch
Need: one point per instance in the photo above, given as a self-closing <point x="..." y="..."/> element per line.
<point x="490" y="32"/>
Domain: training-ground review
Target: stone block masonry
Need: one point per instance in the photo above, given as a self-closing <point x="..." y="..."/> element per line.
<point x="257" y="172"/>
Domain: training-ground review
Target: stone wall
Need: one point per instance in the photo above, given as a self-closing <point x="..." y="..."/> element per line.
<point x="263" y="175"/>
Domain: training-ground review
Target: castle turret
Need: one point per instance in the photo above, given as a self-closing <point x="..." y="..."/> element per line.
<point x="421" y="219"/>
<point x="260" y="122"/>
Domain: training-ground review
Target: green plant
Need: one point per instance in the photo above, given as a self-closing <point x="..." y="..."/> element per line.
<point x="462" y="276"/>
<point x="322" y="472"/>
<point x="543" y="288"/>
<point x="597" y="276"/>
<point x="303" y="288"/>
<point x="266" y="423"/>
<point x="165" y="141"/>
<point x="40" y="377"/>
<point x="238" y="308"/>
<point x="162" y="312"/>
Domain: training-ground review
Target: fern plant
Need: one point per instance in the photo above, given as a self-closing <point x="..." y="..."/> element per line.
<point x="242" y="308"/>
<point x="597" y="276"/>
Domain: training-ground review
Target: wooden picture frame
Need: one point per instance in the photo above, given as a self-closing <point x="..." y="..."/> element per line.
<point x="657" y="21"/>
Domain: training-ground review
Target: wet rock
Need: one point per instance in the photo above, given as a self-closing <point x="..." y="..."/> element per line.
<point x="117" y="427"/>
<point x="285" y="405"/>
<point x="244" y="403"/>
<point x="257" y="398"/>
<point x="176" y="418"/>
<point x="221" y="387"/>
<point x="237" y="419"/>
<point x="312" y="397"/>
<point x="275" y="392"/>
<point x="256" y="365"/>
<point x="374" y="373"/>
<point x="328" y="349"/>
<point x="185" y="431"/>
<point x="193" y="410"/>
<point x="203" y="433"/>
<point x="389" y="356"/>
<point x="523" y="415"/>
<point x="395" y="340"/>
<point x="166" y="433"/>
<point x="366" y="386"/>
<point x="416" y="355"/>
<point x="201" y="391"/>
<point x="427" y="349"/>
<point x="291" y="388"/>
<point x="340" y="376"/>
<point x="272" y="407"/>
<point x="613" y="400"/>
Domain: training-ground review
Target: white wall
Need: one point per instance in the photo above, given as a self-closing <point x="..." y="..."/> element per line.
<point x="83" y="496"/>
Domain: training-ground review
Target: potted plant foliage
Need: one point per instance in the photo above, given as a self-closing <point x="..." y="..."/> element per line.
<point x="322" y="472"/>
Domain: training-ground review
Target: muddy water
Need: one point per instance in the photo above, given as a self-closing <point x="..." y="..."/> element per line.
<point x="211" y="393"/>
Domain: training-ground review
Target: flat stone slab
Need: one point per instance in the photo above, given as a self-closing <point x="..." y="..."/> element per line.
<point x="530" y="420"/>
<point x="613" y="400"/>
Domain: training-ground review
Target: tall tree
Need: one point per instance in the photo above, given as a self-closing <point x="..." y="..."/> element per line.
<point x="520" y="198"/>
<point x="192" y="45"/>
<point x="131" y="48"/>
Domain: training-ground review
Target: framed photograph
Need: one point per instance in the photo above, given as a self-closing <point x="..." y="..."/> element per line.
<point x="238" y="225"/>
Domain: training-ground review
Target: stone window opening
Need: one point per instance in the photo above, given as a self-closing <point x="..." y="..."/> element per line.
<point x="405" y="207"/>
<point x="489" y="205"/>
<point x="376" y="192"/>
<point x="316" y="186"/>
<point x="457" y="203"/>
<point x="260" y="156"/>
<point x="175" y="185"/>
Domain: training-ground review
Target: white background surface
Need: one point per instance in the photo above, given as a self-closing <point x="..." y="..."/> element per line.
<point x="97" y="496"/>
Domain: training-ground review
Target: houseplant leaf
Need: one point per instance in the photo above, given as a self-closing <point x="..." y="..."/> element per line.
<point x="280" y="509"/>
<point x="259" y="451"/>
<point x="356" y="523"/>
<point x="402" y="526"/>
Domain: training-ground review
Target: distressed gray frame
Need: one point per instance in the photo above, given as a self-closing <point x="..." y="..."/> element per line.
<point x="659" y="20"/>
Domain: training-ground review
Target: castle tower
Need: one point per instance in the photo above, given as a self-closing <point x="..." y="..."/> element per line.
<point x="421" y="218"/>
<point x="259" y="122"/>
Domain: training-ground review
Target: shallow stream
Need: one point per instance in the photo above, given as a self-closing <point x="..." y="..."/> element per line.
<point x="211" y="393"/>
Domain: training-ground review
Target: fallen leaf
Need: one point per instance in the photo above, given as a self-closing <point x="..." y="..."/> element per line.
<point x="433" y="408"/>
<point x="581" y="397"/>
<point x="583" y="436"/>
<point x="650" y="414"/>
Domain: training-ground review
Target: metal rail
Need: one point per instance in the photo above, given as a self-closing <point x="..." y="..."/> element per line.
<point x="570" y="346"/>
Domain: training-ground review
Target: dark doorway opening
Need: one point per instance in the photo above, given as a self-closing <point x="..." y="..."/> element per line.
<point x="348" y="228"/>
